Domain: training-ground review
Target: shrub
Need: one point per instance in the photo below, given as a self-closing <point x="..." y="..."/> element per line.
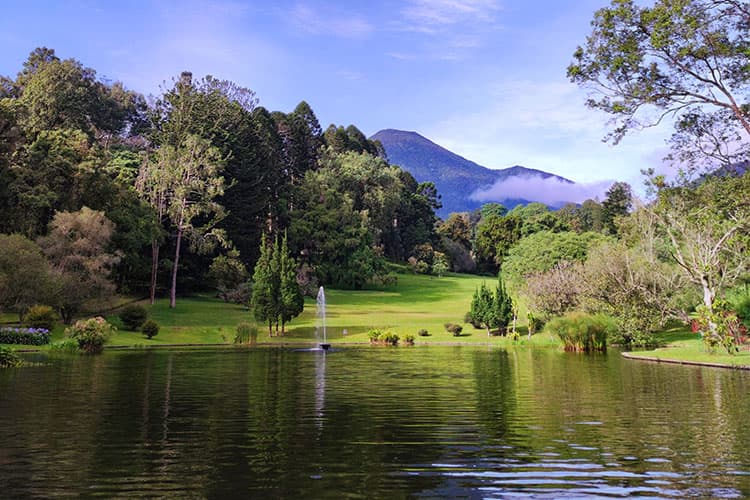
<point x="720" y="327"/>
<point x="133" y="316"/>
<point x="26" y="336"/>
<point x="741" y="306"/>
<point x="383" y="337"/>
<point x="409" y="339"/>
<point x="150" y="328"/>
<point x="454" y="329"/>
<point x="9" y="358"/>
<point x="583" y="332"/>
<point x="41" y="317"/>
<point x="91" y="334"/>
<point x="423" y="333"/>
<point x="246" y="332"/>
<point x="64" y="346"/>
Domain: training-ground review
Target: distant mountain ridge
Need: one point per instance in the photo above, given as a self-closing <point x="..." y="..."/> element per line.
<point x="455" y="177"/>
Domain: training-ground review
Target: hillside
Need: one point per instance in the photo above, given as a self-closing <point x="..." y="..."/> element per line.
<point x="455" y="177"/>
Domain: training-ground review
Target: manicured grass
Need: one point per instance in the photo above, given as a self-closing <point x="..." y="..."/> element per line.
<point x="680" y="344"/>
<point x="416" y="302"/>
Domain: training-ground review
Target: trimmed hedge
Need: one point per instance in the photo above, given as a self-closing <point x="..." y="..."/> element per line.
<point x="26" y="336"/>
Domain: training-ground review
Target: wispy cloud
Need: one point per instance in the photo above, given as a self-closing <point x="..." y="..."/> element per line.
<point x="316" y="21"/>
<point x="550" y="191"/>
<point x="428" y="16"/>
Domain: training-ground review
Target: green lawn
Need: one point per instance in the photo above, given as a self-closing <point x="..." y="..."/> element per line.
<point x="416" y="302"/>
<point x="680" y="344"/>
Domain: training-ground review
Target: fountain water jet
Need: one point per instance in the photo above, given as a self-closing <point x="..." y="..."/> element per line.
<point x="321" y="313"/>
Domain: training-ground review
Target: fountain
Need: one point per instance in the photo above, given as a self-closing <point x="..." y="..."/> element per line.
<point x="322" y="319"/>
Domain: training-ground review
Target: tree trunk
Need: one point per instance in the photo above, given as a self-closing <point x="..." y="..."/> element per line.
<point x="154" y="269"/>
<point x="173" y="290"/>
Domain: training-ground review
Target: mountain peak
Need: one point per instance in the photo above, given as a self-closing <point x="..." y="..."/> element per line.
<point x="455" y="177"/>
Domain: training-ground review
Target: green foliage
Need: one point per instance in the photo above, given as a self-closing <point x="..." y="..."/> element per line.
<point x="741" y="306"/>
<point x="423" y="333"/>
<point x="133" y="316"/>
<point x="720" y="326"/>
<point x="40" y="316"/>
<point x="64" y="346"/>
<point x="454" y="329"/>
<point x="617" y="203"/>
<point x="439" y="264"/>
<point x="409" y="339"/>
<point x="91" y="334"/>
<point x="582" y="332"/>
<point x="291" y="302"/>
<point x="386" y="337"/>
<point x="150" y="328"/>
<point x="25" y="275"/>
<point x="246" y="333"/>
<point x="9" y="358"/>
<point x="228" y="274"/>
<point x="264" y="301"/>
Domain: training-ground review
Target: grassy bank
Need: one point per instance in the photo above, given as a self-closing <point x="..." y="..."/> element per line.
<point x="680" y="344"/>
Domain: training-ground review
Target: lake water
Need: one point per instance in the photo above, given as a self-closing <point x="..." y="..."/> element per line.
<point x="367" y="422"/>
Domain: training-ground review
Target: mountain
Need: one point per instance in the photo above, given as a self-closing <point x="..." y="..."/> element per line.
<point x="455" y="177"/>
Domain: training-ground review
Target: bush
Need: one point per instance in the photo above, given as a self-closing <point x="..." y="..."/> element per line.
<point x="150" y="328"/>
<point x="409" y="339"/>
<point x="583" y="332"/>
<point x="65" y="346"/>
<point x="741" y="306"/>
<point x="9" y="358"/>
<point x="246" y="332"/>
<point x="91" y="334"/>
<point x="423" y="333"/>
<point x="133" y="316"/>
<point x="26" y="336"/>
<point x="469" y="318"/>
<point x="454" y="329"/>
<point x="41" y="317"/>
<point x="383" y="337"/>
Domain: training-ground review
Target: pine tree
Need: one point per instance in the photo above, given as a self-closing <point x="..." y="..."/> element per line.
<point x="502" y="306"/>
<point x="291" y="302"/>
<point x="263" y="300"/>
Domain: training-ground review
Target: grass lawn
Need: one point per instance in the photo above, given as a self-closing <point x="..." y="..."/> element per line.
<point x="680" y="344"/>
<point x="416" y="302"/>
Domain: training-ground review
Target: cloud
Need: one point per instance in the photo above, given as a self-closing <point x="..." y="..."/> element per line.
<point x="550" y="191"/>
<point x="317" y="22"/>
<point x="428" y="16"/>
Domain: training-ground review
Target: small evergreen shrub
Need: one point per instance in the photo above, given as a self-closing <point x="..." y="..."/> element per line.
<point x="41" y="317"/>
<point x="583" y="332"/>
<point x="373" y="335"/>
<point x="26" y="336"/>
<point x="9" y="358"/>
<point x="150" y="328"/>
<point x="454" y="329"/>
<point x="91" y="334"/>
<point x="409" y="339"/>
<point x="423" y="333"/>
<point x="246" y="332"/>
<point x="386" y="337"/>
<point x="133" y="316"/>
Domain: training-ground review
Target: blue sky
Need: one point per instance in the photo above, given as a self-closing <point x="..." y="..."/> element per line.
<point x="484" y="78"/>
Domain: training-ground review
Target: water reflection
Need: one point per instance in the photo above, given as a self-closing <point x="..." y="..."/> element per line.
<point x="368" y="422"/>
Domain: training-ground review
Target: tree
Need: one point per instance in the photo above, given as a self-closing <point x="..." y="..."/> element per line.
<point x="439" y="264"/>
<point x="228" y="273"/>
<point x="502" y="306"/>
<point x="265" y="287"/>
<point x="77" y="248"/>
<point x="491" y="310"/>
<point x="707" y="230"/>
<point x="617" y="203"/>
<point x="291" y="301"/>
<point x="684" y="58"/>
<point x="25" y="277"/>
<point x="494" y="238"/>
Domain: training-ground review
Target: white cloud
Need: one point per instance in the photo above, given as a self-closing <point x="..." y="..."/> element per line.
<point x="550" y="191"/>
<point x="428" y="15"/>
<point x="544" y="125"/>
<point x="316" y="22"/>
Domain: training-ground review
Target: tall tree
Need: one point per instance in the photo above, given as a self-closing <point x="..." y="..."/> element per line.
<point x="265" y="286"/>
<point x="685" y="58"/>
<point x="617" y="203"/>
<point x="291" y="302"/>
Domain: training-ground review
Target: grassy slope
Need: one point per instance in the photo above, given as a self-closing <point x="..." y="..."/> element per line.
<point x="682" y="345"/>
<point x="416" y="302"/>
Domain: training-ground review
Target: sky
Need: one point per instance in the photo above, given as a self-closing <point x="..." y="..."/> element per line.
<point x="483" y="78"/>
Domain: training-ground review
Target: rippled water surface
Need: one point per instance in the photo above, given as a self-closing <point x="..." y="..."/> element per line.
<point x="425" y="422"/>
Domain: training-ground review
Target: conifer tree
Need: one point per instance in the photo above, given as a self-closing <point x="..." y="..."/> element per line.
<point x="502" y="308"/>
<point x="291" y="302"/>
<point x="263" y="301"/>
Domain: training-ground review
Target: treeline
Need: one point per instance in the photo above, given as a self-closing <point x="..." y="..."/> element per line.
<point x="198" y="173"/>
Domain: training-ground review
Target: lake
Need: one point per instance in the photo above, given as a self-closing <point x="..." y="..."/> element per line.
<point x="372" y="422"/>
